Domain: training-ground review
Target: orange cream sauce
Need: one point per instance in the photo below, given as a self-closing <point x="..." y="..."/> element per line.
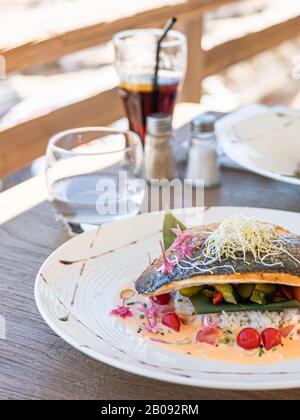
<point x="183" y="342"/>
<point x="223" y="352"/>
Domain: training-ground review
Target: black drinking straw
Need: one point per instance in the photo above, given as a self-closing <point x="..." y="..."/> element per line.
<point x="171" y="22"/>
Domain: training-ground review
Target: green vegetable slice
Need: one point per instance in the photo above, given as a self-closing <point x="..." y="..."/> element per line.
<point x="227" y="292"/>
<point x="170" y="222"/>
<point x="191" y="291"/>
<point x="263" y="294"/>
<point x="203" y="305"/>
<point x="245" y="290"/>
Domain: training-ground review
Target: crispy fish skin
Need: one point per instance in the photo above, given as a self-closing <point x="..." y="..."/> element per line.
<point x="153" y="282"/>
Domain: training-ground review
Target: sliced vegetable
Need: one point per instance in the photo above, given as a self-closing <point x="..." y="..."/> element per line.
<point x="286" y="331"/>
<point x="172" y="321"/>
<point x="245" y="290"/>
<point x="122" y="311"/>
<point x="263" y="293"/>
<point x="127" y="294"/>
<point x="297" y="294"/>
<point x="227" y="292"/>
<point x="170" y="222"/>
<point x="218" y="298"/>
<point x="191" y="291"/>
<point x="279" y="299"/>
<point x="249" y="339"/>
<point x="287" y="292"/>
<point x="279" y="294"/>
<point x="204" y="305"/>
<point x="271" y="338"/>
<point x="208" y="293"/>
<point x="162" y="299"/>
<point x="208" y="335"/>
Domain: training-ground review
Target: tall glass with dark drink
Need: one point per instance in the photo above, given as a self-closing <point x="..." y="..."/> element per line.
<point x="142" y="93"/>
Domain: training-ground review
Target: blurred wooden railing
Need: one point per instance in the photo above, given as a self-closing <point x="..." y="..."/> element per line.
<point x="20" y="144"/>
<point x="237" y="50"/>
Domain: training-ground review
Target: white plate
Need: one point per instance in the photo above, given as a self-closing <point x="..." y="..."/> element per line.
<point x="75" y="300"/>
<point x="267" y="144"/>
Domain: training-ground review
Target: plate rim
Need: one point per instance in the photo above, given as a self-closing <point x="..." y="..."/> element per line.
<point x="225" y="142"/>
<point x="146" y="372"/>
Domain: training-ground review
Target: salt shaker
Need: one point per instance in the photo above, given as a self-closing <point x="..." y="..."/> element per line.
<point x="159" y="156"/>
<point x="203" y="156"/>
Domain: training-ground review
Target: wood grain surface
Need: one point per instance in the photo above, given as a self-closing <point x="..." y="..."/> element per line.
<point x="36" y="364"/>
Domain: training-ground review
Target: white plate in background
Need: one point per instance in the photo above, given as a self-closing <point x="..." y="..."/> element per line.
<point x="267" y="144"/>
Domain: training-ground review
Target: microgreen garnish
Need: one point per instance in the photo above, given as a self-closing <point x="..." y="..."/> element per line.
<point x="249" y="238"/>
<point x="237" y="238"/>
<point x="261" y="351"/>
<point x="225" y="340"/>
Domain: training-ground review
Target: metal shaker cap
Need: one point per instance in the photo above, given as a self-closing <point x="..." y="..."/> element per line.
<point x="204" y="123"/>
<point x="159" y="124"/>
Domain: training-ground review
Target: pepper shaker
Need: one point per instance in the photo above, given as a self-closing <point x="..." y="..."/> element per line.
<point x="159" y="156"/>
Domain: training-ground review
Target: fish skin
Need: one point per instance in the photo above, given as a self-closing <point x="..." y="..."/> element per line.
<point x="151" y="280"/>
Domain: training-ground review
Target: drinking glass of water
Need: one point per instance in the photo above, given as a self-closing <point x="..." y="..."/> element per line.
<point x="94" y="176"/>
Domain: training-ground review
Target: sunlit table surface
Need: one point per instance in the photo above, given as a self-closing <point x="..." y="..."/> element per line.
<point x="35" y="362"/>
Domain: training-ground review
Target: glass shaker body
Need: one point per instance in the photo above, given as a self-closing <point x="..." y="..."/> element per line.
<point x="159" y="156"/>
<point x="203" y="159"/>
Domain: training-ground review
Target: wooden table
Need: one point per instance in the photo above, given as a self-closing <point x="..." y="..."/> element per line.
<point x="35" y="363"/>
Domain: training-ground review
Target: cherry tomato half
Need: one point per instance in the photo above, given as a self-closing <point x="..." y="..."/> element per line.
<point x="161" y="299"/>
<point x="249" y="339"/>
<point x="172" y="321"/>
<point x="271" y="338"/>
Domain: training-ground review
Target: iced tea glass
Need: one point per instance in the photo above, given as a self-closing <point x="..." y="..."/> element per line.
<point x="136" y="52"/>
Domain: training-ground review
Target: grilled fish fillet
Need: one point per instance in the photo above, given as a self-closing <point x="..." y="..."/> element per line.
<point x="153" y="282"/>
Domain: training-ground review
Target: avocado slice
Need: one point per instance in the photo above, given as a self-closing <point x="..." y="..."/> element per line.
<point x="227" y="292"/>
<point x="263" y="294"/>
<point x="245" y="291"/>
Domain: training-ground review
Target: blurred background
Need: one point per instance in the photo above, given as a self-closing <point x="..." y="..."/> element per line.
<point x="60" y="68"/>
